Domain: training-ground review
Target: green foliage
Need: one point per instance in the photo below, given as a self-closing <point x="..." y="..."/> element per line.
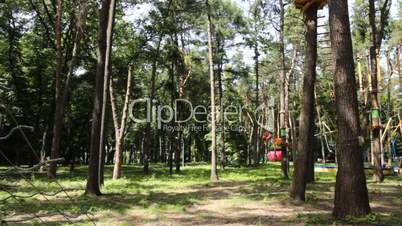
<point x="396" y="28"/>
<point x="27" y="66"/>
<point x="360" y="25"/>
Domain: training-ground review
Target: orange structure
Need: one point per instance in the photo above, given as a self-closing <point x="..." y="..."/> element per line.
<point x="305" y="4"/>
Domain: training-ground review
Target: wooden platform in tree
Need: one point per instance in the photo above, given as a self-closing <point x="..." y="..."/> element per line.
<point x="305" y="4"/>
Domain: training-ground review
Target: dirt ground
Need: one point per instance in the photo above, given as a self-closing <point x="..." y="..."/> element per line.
<point x="232" y="202"/>
<point x="224" y="205"/>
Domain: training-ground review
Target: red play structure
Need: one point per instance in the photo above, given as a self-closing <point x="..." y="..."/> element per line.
<point x="275" y="155"/>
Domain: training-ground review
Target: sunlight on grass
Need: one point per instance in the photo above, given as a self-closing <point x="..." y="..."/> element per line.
<point x="159" y="193"/>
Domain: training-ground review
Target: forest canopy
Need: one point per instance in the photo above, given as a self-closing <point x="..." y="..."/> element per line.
<point x="175" y="87"/>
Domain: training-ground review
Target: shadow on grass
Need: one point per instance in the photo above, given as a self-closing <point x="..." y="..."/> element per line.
<point x="327" y="219"/>
<point x="136" y="192"/>
<point x="161" y="192"/>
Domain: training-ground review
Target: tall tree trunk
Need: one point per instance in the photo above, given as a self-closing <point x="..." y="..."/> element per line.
<point x="172" y="143"/>
<point x="119" y="127"/>
<point x="293" y="135"/>
<point x="351" y="196"/>
<point x="256" y="135"/>
<point x="43" y="150"/>
<point x="282" y="112"/>
<point x="214" y="173"/>
<point x="151" y="97"/>
<point x="306" y="126"/>
<point x="222" y="112"/>
<point x="390" y="72"/>
<point x="96" y="147"/>
<point x="318" y="110"/>
<point x="107" y="74"/>
<point x="177" y="154"/>
<point x="63" y="100"/>
<point x="364" y="96"/>
<point x="163" y="147"/>
<point x="310" y="164"/>
<point x="55" y="150"/>
<point x="378" y="176"/>
<point x="398" y="69"/>
<point x="257" y="101"/>
<point x="179" y="69"/>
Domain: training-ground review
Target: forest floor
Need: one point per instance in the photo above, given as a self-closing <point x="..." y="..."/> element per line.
<point x="243" y="196"/>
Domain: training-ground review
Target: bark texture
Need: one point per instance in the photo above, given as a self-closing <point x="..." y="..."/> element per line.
<point x="283" y="95"/>
<point x="214" y="173"/>
<point x="62" y="95"/>
<point x="119" y="127"/>
<point x="306" y="127"/>
<point x="93" y="182"/>
<point x="351" y="197"/>
<point x="55" y="150"/>
<point x="378" y="176"/>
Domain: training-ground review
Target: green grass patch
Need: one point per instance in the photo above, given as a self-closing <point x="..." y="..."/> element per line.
<point x="159" y="192"/>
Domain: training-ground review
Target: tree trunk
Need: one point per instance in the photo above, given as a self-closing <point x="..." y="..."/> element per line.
<point x="222" y="113"/>
<point x="177" y="69"/>
<point x="398" y="69"/>
<point x="293" y="135"/>
<point x="257" y="93"/>
<point x="378" y="176"/>
<point x="306" y="126"/>
<point x="170" y="157"/>
<point x="282" y="111"/>
<point x="119" y="127"/>
<point x="311" y="161"/>
<point x="214" y="174"/>
<point x="178" y="149"/>
<point x="351" y="196"/>
<point x="63" y="100"/>
<point x="318" y="109"/>
<point x="389" y="100"/>
<point x="172" y="136"/>
<point x="43" y="150"/>
<point x="151" y="97"/>
<point x="55" y="150"/>
<point x="96" y="146"/>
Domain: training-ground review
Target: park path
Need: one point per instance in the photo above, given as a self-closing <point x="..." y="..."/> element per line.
<point x="235" y="203"/>
<point x="229" y="203"/>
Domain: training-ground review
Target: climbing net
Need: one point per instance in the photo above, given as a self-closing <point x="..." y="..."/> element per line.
<point x="22" y="172"/>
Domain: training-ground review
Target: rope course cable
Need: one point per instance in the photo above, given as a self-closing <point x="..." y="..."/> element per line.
<point x="30" y="218"/>
<point x="22" y="131"/>
<point x="2" y="221"/>
<point x="34" y="187"/>
<point x="44" y="195"/>
<point x="17" y="169"/>
<point x="13" y="130"/>
<point x="28" y="196"/>
<point x="31" y="184"/>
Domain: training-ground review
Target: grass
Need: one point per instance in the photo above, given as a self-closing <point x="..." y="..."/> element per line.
<point x="246" y="195"/>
